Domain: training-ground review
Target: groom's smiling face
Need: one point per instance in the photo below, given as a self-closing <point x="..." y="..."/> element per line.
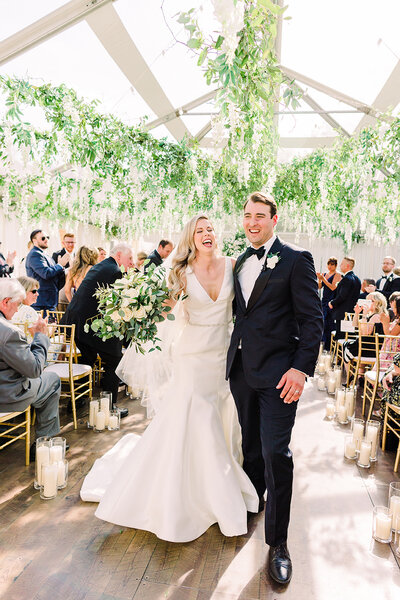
<point x="258" y="223"/>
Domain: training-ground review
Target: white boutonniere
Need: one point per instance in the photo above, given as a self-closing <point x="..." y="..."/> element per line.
<point x="272" y="260"/>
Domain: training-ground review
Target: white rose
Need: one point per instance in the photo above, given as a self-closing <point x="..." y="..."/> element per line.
<point x="128" y="314"/>
<point x="125" y="302"/>
<point x="272" y="262"/>
<point x="115" y="316"/>
<point x="109" y="328"/>
<point x="139" y="313"/>
<point x="132" y="293"/>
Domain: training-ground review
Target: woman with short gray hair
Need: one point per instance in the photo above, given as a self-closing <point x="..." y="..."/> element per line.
<point x="26" y="316"/>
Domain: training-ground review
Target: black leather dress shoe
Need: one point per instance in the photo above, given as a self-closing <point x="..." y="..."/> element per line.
<point x="279" y="563"/>
<point x="123" y="412"/>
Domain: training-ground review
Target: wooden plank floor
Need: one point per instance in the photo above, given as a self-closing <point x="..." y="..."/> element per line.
<point x="60" y="550"/>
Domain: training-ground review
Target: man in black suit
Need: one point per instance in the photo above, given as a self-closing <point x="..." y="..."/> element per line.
<point x="68" y="248"/>
<point x="156" y="257"/>
<point x="388" y="282"/>
<point x="347" y="294"/>
<point x="84" y="306"/>
<point x="274" y="346"/>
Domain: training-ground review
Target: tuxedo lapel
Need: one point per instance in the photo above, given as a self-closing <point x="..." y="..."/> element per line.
<point x="239" y="294"/>
<point x="263" y="278"/>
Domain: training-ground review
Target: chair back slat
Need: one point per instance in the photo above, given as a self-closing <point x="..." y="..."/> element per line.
<point x="62" y="343"/>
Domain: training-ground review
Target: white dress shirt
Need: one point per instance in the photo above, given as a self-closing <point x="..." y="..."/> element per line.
<point x="384" y="279"/>
<point x="251" y="269"/>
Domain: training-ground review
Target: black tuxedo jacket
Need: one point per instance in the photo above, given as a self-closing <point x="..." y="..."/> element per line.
<point x="347" y="294"/>
<point x="83" y="305"/>
<point x="281" y="326"/>
<point x="60" y="253"/>
<point x="392" y="285"/>
<point x="153" y="259"/>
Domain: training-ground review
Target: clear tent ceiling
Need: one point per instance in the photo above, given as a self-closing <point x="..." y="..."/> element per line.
<point x="350" y="46"/>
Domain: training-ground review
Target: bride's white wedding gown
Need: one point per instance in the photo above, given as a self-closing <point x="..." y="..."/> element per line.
<point x="184" y="473"/>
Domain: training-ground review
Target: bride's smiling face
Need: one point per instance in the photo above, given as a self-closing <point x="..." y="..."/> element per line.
<point x="204" y="237"/>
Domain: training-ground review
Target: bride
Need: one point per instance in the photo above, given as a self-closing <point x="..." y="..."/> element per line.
<point x="184" y="473"/>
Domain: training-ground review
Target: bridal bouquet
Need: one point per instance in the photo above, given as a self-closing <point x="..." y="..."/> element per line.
<point x="131" y="307"/>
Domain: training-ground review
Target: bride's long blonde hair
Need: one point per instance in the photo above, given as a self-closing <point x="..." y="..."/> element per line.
<point x="184" y="256"/>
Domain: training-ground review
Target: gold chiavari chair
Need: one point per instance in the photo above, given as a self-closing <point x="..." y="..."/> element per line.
<point x="348" y="336"/>
<point x="368" y="353"/>
<point x="55" y="316"/>
<point x="391" y="423"/>
<point x="386" y="347"/>
<point x="76" y="379"/>
<point x="11" y="431"/>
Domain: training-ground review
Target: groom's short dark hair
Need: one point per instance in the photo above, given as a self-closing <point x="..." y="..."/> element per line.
<point x="264" y="199"/>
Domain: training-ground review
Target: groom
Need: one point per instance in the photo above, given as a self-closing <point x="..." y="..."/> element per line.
<point x="274" y="346"/>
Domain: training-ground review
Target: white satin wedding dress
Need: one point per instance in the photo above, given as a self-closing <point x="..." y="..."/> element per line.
<point x="184" y="473"/>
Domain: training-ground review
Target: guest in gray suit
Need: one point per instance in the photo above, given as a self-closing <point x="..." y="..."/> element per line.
<point x="22" y="381"/>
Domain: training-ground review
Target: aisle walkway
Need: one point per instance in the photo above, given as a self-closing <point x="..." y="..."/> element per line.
<point x="59" y="550"/>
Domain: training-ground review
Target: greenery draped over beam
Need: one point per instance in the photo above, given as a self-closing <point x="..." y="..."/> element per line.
<point x="85" y="166"/>
<point x="349" y="191"/>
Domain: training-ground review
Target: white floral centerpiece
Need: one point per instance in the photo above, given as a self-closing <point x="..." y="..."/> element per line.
<point x="130" y="308"/>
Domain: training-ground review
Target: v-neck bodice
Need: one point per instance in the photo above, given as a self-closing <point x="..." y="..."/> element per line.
<point x="200" y="308"/>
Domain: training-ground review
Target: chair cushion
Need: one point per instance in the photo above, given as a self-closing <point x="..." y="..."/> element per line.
<point x="62" y="369"/>
<point x="367" y="359"/>
<point x="371" y="376"/>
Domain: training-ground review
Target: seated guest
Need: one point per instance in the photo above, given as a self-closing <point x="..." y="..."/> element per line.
<point x="388" y="282"/>
<point x="367" y="287"/>
<point x="7" y="264"/>
<point x="83" y="262"/>
<point x="22" y="381"/>
<point x="391" y="386"/>
<point x="377" y="319"/>
<point x="83" y="307"/>
<point x="156" y="257"/>
<point x="347" y="293"/>
<point x="102" y="254"/>
<point x="51" y="276"/>
<point x="141" y="257"/>
<point x="328" y="282"/>
<point x="391" y="301"/>
<point x="26" y="315"/>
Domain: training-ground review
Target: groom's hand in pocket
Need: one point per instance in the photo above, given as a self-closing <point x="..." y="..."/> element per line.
<point x="292" y="383"/>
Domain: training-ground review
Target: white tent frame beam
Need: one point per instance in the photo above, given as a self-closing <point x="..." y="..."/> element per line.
<point x="111" y="32"/>
<point x="324" y="115"/>
<point x="41" y="30"/>
<point x="182" y="110"/>
<point x="285" y="142"/>
<point x="388" y="97"/>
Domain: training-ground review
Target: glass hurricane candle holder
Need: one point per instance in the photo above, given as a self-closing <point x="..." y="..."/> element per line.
<point x="382" y="524"/>
<point x="114" y="422"/>
<point x="394" y="500"/>
<point x="331" y="383"/>
<point x="57" y="449"/>
<point x="93" y="410"/>
<point x="340" y="398"/>
<point x="358" y="432"/>
<point x="341" y="415"/>
<point x="350" y="451"/>
<point x="106" y="405"/>
<point x="48" y="487"/>
<point x="62" y="474"/>
<point x="350" y="401"/>
<point x="396" y="527"/>
<point x="338" y="376"/>
<point x="321" y="383"/>
<point x="100" y="423"/>
<point x="364" y="457"/>
<point x="330" y="409"/>
<point x="42" y="458"/>
<point x="372" y="430"/>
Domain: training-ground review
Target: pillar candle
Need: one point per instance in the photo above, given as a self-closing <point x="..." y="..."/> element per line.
<point x="342" y="414"/>
<point x="383" y="527"/>
<point x="350" y="403"/>
<point x="395" y="507"/>
<point x="330" y="409"/>
<point x="365" y="453"/>
<point x="105" y="408"/>
<point x="60" y="472"/>
<point x="327" y="360"/>
<point x="93" y="410"/>
<point x="100" y="421"/>
<point x="321" y="383"/>
<point x="340" y="397"/>
<point x="358" y="432"/>
<point x="372" y="436"/>
<point x="49" y="476"/>
<point x="350" y="449"/>
<point x="56" y="454"/>
<point x="331" y="385"/>
<point x="113" y="422"/>
<point x="42" y="458"/>
<point x="338" y="376"/>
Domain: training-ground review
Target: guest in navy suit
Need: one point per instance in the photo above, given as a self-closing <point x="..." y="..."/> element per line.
<point x="157" y="257"/>
<point x="41" y="266"/>
<point x="274" y="346"/>
<point x="347" y="294"/>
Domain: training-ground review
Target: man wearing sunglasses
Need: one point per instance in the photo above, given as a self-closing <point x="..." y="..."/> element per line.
<point x="41" y="266"/>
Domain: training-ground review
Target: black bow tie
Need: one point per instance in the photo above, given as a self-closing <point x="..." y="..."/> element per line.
<point x="385" y="276"/>
<point x="259" y="252"/>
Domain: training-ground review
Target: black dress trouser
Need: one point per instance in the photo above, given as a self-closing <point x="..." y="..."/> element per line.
<point x="266" y="423"/>
<point x="109" y="381"/>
